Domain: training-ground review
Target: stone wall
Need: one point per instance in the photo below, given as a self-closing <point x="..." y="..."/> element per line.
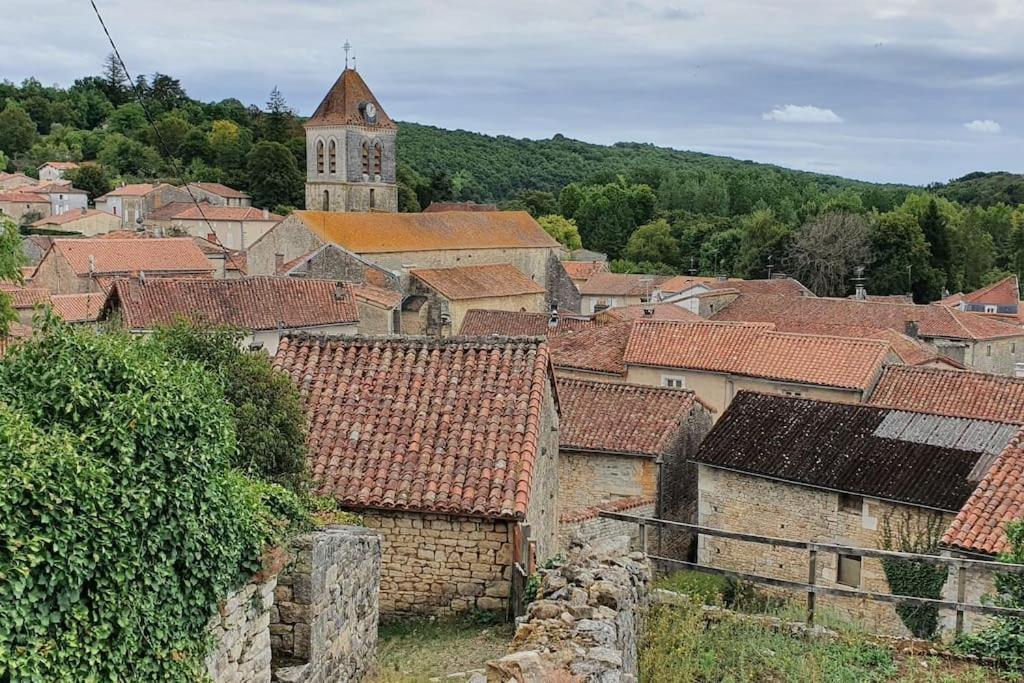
<point x="590" y="478"/>
<point x="562" y="291"/>
<point x="587" y="526"/>
<point x="545" y="487"/>
<point x="241" y="632"/>
<point x="439" y="565"/>
<point x="585" y="623"/>
<point x="323" y="624"/>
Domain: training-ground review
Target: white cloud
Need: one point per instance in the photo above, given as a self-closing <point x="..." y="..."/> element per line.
<point x="983" y="126"/>
<point x="795" y="113"/>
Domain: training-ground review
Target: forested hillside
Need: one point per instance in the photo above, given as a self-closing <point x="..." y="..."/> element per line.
<point x="651" y="209"/>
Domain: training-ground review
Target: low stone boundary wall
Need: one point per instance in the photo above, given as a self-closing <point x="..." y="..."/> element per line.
<point x="585" y="526"/>
<point x="310" y="617"/>
<point x="586" y="621"/>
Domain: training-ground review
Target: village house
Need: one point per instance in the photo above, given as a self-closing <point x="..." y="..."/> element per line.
<point x="20" y="205"/>
<point x="54" y="171"/>
<point x="852" y="475"/>
<point x="86" y="222"/>
<point x="62" y="197"/>
<point x="78" y="309"/>
<point x="971" y="339"/>
<point x="80" y="266"/>
<point x="624" y="441"/>
<point x="233" y="227"/>
<point x="604" y="290"/>
<point x="437" y="299"/>
<point x="978" y="395"/>
<point x="581" y="271"/>
<point x="219" y="195"/>
<point x="1000" y="298"/>
<point x="13" y="181"/>
<point x="331" y="262"/>
<point x="447" y="447"/>
<point x="266" y="308"/>
<point x="134" y="203"/>
<point x="380" y="309"/>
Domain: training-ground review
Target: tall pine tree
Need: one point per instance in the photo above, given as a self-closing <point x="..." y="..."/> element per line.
<point x="936" y="233"/>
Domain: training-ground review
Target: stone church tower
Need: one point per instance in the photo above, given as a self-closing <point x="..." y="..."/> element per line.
<point x="350" y="151"/>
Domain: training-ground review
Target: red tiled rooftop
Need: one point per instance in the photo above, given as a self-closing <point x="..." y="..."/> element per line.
<point x="70" y="217"/>
<point x="596" y="349"/>
<point x="257" y="303"/>
<point x="23" y="297"/>
<point x="341" y="105"/>
<point x="133" y="190"/>
<point x="447" y="426"/>
<point x="378" y="296"/>
<point x="621" y="418"/>
<point x="481" y="323"/>
<point x="112" y="255"/>
<point x="221" y="190"/>
<point x="212" y="212"/>
<point x="582" y="270"/>
<point x="640" y="311"/>
<point x="478" y="282"/>
<point x="1006" y="292"/>
<point x="958" y="393"/>
<point x="621" y="284"/>
<point x="22" y="196"/>
<point x="78" y="308"/>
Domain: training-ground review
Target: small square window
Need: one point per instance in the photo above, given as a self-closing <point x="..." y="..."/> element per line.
<point x="990" y="308"/>
<point x="851" y="503"/>
<point x="793" y="393"/>
<point x="848" y="571"/>
<point x="673" y="382"/>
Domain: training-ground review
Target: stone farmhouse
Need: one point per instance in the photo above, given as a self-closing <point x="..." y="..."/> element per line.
<point x="233" y="227"/>
<point x="17" y="204"/>
<point x="134" y="202"/>
<point x="604" y="290"/>
<point x="219" y="195"/>
<point x="267" y="308"/>
<point x="13" y="181"/>
<point x="438" y="298"/>
<point x="86" y="222"/>
<point x="624" y="441"/>
<point x="62" y="197"/>
<point x="771" y="467"/>
<point x="54" y="171"/>
<point x="447" y="447"/>
<point x="80" y="266"/>
<point x="971" y="339"/>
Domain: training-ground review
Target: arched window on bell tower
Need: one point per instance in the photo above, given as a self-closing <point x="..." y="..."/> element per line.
<point x="373" y="199"/>
<point x="326" y="206"/>
<point x="332" y="157"/>
<point x="320" y="156"/>
<point x="366" y="158"/>
<point x="378" y="155"/>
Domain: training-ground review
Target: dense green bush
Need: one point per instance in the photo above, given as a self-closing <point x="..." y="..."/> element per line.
<point x="121" y="521"/>
<point x="904" y="533"/>
<point x="270" y="423"/>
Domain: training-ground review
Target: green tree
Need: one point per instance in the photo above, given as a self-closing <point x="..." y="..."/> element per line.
<point x="936" y="233"/>
<point x="610" y="213"/>
<point x="4" y="162"/>
<point x="764" y="237"/>
<point x="719" y="252"/>
<point x="17" y="130"/>
<point x="279" y="120"/>
<point x="11" y="260"/>
<point x="570" y="199"/>
<point x="538" y="202"/>
<point x="113" y="81"/>
<point x="273" y="176"/>
<point x="653" y="242"/>
<point x="900" y="259"/>
<point x="128" y="120"/>
<point x="129" y="157"/>
<point x="93" y="178"/>
<point x="562" y="229"/>
<point x="168" y="134"/>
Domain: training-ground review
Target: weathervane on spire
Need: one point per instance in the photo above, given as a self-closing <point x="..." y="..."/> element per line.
<point x="346" y="47"/>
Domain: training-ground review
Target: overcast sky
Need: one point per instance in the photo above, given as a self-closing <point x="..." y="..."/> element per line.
<point x="888" y="90"/>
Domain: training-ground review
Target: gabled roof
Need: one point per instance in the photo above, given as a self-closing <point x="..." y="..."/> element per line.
<point x="951" y="392"/>
<point x="621" y="418"/>
<point x="60" y="165"/>
<point x="78" y="308"/>
<point x="482" y="323"/>
<point x="376" y="296"/>
<point x="795" y="313"/>
<point x="434" y="207"/>
<point x="221" y="190"/>
<point x="381" y="233"/>
<point x="214" y="212"/>
<point x="640" y="311"/>
<point x="778" y="286"/>
<point x="595" y="349"/>
<point x="71" y="217"/>
<point x="114" y="256"/>
<point x="1006" y="292"/>
<point x="583" y="270"/>
<point x="448" y="426"/>
<point x="52" y="188"/>
<point x="478" y="282"/>
<point x="621" y="284"/>
<point x="848" y="447"/>
<point x="342" y="105"/>
<point x="23" y="297"/>
<point x="132" y="190"/>
<point x="21" y="195"/>
<point x="980" y="526"/>
<point x="256" y="303"/>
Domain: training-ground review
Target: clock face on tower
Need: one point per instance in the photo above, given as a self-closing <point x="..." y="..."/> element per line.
<point x="370" y="111"/>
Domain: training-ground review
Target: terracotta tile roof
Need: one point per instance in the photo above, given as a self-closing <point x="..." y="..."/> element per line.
<point x="582" y="270"/>
<point x="887" y="298"/>
<point x="1006" y="292"/>
<point x="621" y="284"/>
<point x="377" y="296"/>
<point x="960" y="393"/>
<point x="221" y="190"/>
<point x="133" y="190"/>
<point x="70" y="217"/>
<point x="910" y="351"/>
<point x="480" y="323"/>
<point x="212" y="212"/>
<point x="341" y="105"/>
<point x="639" y="311"/>
<point x="379" y="233"/>
<point x="864" y="450"/>
<point x="621" y="418"/>
<point x="794" y="314"/>
<point x="758" y="351"/>
<point x="592" y="512"/>
<point x="409" y="423"/>
<point x="478" y="282"/>
<point x="61" y="165"/>
<point x="52" y="188"/>
<point x="678" y="283"/>
<point x="27" y="272"/>
<point x="434" y="207"/>
<point x="257" y="303"/>
<point x="172" y="209"/>
<point x="778" y="286"/>
<point x="110" y="256"/>
<point x="78" y="308"/>
<point x="980" y="526"/>
<point x="25" y="297"/>
<point x="21" y="196"/>
<point x="595" y="349"/>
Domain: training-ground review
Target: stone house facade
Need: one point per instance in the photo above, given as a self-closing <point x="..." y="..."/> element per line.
<point x="53" y="171"/>
<point x="235" y="228"/>
<point x="767" y="468"/>
<point x="455" y="513"/>
<point x="87" y="222"/>
<point x="20" y="205"/>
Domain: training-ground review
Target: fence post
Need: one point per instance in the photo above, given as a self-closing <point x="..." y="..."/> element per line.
<point x="961" y="595"/>
<point x="812" y="574"/>
<point x="643" y="537"/>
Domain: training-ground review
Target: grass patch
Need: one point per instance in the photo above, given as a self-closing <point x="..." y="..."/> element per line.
<point x="415" y="650"/>
<point x="680" y="646"/>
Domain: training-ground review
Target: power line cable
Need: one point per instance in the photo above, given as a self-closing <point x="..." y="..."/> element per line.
<point x="137" y="91"/>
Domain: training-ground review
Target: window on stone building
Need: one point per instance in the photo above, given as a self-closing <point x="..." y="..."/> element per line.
<point x="849" y="502"/>
<point x="366" y="158"/>
<point x="990" y="308"/>
<point x="673" y="381"/>
<point x="326" y="201"/>
<point x="600" y="305"/>
<point x="373" y="200"/>
<point x="332" y="156"/>
<point x="319" y="156"/>
<point x="378" y="154"/>
<point x="988" y="350"/>
<point x="848" y="571"/>
<point x="792" y="392"/>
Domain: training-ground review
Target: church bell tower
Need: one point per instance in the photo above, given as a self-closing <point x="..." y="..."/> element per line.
<point x="350" y="150"/>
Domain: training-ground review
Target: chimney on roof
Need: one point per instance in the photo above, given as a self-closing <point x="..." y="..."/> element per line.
<point x="142" y="277"/>
<point x="910" y="329"/>
<point x="92" y="264"/>
<point x="266" y="215"/>
<point x="649" y="311"/>
<point x="278" y="262"/>
<point x="860" y="293"/>
<point x="553" y="317"/>
<point x="339" y="291"/>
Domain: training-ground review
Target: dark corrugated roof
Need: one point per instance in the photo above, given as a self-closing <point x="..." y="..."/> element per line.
<point x="837" y="446"/>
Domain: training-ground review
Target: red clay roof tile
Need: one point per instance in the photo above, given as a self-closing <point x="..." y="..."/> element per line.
<point x="479" y="322"/>
<point x="958" y="393"/>
<point x="478" y="282"/>
<point x="112" y="256"/>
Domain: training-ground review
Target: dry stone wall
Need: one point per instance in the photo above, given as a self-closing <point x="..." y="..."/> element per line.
<point x="586" y="621"/>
